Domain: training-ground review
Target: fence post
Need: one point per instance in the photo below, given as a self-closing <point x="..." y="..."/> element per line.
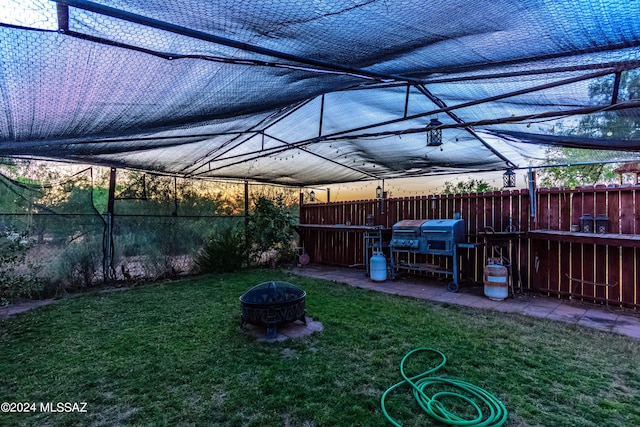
<point x="107" y="260"/>
<point x="107" y="240"/>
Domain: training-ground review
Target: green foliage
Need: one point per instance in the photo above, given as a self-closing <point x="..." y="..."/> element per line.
<point x="471" y="185"/>
<point x="160" y="224"/>
<point x="175" y="354"/>
<point x="574" y="176"/>
<point x="608" y="124"/>
<point x="266" y="239"/>
<point x="138" y="192"/>
<point x="270" y="230"/>
<point x="222" y="252"/>
<point x="14" y="282"/>
<point x="613" y="124"/>
<point x="80" y="265"/>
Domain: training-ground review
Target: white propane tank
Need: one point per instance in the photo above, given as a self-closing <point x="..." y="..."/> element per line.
<point x="378" y="267"/>
<point x="496" y="282"/>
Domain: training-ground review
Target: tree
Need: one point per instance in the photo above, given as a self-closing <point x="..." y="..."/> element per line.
<point x="471" y="185"/>
<point x="621" y="124"/>
<point x="266" y="238"/>
<point x="574" y="175"/>
<point x="270" y="230"/>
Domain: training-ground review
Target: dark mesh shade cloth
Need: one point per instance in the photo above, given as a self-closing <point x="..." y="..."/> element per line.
<point x="310" y="92"/>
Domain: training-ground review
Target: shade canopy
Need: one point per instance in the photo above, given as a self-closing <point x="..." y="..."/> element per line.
<point x="317" y="91"/>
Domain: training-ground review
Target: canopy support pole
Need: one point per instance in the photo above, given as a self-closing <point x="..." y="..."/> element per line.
<point x="62" y="10"/>
<point x="532" y="198"/>
<point x="321" y="115"/>
<point x="406" y="102"/>
<point x="107" y="240"/>
<point x="616" y="88"/>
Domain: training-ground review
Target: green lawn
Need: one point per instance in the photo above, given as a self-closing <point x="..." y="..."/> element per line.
<point x="174" y="354"/>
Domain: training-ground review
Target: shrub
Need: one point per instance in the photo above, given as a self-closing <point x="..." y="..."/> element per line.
<point x="222" y="252"/>
<point x="270" y="230"/>
<point x="79" y="265"/>
<point x="14" y="284"/>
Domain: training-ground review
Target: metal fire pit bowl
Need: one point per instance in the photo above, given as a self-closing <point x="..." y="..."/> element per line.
<point x="271" y="304"/>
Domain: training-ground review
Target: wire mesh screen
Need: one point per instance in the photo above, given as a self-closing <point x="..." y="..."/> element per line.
<point x="160" y="222"/>
<point x="59" y="232"/>
<point x="52" y="234"/>
<point x="313" y="93"/>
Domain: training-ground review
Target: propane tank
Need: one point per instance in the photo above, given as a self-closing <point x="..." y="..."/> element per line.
<point x="496" y="281"/>
<point x="378" y="267"/>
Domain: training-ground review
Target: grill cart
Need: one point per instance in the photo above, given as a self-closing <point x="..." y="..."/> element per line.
<point x="442" y="237"/>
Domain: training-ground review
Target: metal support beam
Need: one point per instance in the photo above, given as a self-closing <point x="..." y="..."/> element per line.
<point x="254" y="155"/>
<point x="209" y="157"/>
<point x="446" y="109"/>
<point x="188" y="32"/>
<point x="616" y="88"/>
<point x="313" y="64"/>
<point x="175" y="196"/>
<point x="108" y="272"/>
<point x="112" y="191"/>
<point x="469" y="129"/>
<point x="321" y="115"/>
<point x="63" y="17"/>
<point x="246" y="218"/>
<point x="406" y="102"/>
<point x="488" y="122"/>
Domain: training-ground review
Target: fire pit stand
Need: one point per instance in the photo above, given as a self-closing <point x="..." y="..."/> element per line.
<point x="271" y="304"/>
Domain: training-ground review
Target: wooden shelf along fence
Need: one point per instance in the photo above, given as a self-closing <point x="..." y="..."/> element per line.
<point x="549" y="257"/>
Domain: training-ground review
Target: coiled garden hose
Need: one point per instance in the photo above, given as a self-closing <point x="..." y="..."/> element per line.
<point x="472" y="395"/>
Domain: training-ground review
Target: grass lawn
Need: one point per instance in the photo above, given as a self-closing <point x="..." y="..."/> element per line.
<point x="174" y="354"/>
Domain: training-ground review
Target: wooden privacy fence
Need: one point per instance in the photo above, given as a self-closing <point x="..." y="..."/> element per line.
<point x="548" y="257"/>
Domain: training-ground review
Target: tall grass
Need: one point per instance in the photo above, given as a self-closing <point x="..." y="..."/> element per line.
<point x="174" y="354"/>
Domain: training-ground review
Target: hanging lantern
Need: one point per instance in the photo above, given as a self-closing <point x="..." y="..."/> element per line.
<point x="509" y="179"/>
<point x="379" y="192"/>
<point x="312" y="196"/>
<point x="434" y="136"/>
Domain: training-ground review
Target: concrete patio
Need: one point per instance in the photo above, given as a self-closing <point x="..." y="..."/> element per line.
<point x="605" y="318"/>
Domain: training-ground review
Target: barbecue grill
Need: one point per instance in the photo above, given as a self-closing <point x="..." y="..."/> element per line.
<point x="440" y="237"/>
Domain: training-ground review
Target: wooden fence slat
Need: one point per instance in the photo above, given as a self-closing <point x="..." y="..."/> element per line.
<point x="613" y="211"/>
<point x="575" y="269"/>
<point x="565" y="210"/>
<point x="540" y="264"/>
<point x="588" y="271"/>
<point x="557" y="268"/>
<point x="576" y="208"/>
<point x="626" y="213"/>
<point x="636" y="210"/>
<point x="613" y="274"/>
<point x="600" y="274"/>
<point x="553" y="265"/>
<point x="543" y="210"/>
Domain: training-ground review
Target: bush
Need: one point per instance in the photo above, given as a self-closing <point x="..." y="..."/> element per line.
<point x="79" y="265"/>
<point x="14" y="284"/>
<point x="222" y="252"/>
<point x="270" y="231"/>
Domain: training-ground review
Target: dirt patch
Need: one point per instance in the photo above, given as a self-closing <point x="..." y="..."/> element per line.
<point x="22" y="307"/>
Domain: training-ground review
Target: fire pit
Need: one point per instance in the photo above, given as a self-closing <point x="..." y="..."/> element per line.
<point x="271" y="304"/>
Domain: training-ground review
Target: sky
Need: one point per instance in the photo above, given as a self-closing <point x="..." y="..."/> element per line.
<point x="29" y="13"/>
<point x="408" y="187"/>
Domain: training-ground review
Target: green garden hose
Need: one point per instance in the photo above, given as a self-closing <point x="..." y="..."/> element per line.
<point x="467" y="392"/>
